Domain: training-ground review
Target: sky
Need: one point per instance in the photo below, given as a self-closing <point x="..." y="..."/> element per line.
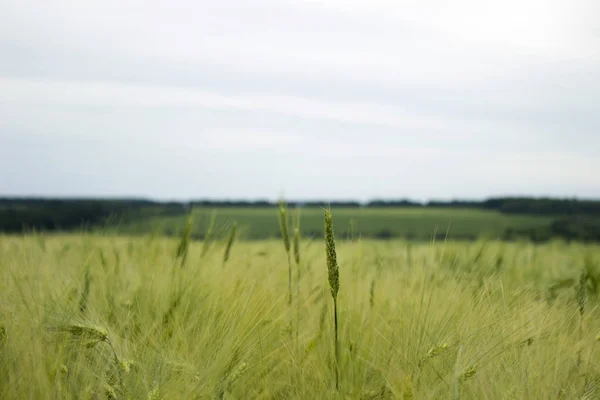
<point x="332" y="99"/>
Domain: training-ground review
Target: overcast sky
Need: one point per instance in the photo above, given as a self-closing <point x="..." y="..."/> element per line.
<point x="335" y="99"/>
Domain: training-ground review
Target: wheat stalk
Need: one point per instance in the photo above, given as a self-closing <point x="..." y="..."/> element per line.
<point x="334" y="283"/>
<point x="283" y="228"/>
<point x="2" y="334"/>
<point x="372" y="294"/>
<point x="90" y="336"/>
<point x="298" y="275"/>
<point x="297" y="258"/>
<point x="283" y="225"/>
<point x="184" y="243"/>
<point x="332" y="265"/>
<point x="297" y="241"/>
<point x="229" y="243"/>
<point x="581" y="294"/>
<point x="86" y="290"/>
<point x="209" y="234"/>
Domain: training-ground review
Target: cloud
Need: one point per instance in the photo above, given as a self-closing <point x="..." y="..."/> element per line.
<point x="466" y="98"/>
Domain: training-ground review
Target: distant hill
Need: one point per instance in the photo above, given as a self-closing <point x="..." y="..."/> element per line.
<point x="563" y="218"/>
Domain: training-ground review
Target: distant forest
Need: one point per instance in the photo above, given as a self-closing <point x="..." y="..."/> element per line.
<point x="574" y="219"/>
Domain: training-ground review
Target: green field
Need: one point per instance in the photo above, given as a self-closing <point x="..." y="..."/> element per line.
<point x="410" y="223"/>
<point x="107" y="317"/>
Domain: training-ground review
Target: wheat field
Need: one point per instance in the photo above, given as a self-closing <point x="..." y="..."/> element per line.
<point x="94" y="316"/>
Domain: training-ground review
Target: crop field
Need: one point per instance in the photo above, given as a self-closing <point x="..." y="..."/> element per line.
<point x="97" y="316"/>
<point x="411" y="223"/>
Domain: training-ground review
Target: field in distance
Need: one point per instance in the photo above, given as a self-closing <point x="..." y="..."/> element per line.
<point x="111" y="317"/>
<point x="410" y="223"/>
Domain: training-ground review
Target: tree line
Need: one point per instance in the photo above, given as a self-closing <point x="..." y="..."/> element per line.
<point x="572" y="218"/>
<point x="22" y="214"/>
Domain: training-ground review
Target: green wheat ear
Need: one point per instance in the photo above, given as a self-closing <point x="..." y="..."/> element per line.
<point x="184" y="243"/>
<point x="230" y="242"/>
<point x="283" y="225"/>
<point x="2" y="334"/>
<point x="209" y="233"/>
<point x="86" y="290"/>
<point x="297" y="245"/>
<point x="469" y="372"/>
<point x="333" y="273"/>
<point x="85" y="332"/>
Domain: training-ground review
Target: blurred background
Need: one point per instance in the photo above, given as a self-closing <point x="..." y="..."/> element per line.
<point x="415" y="118"/>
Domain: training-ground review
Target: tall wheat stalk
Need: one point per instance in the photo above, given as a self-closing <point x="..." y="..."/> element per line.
<point x="85" y="294"/>
<point x="296" y="245"/>
<point x="184" y="242"/>
<point x="297" y="259"/>
<point x="283" y="227"/>
<point x="581" y="294"/>
<point x="334" y="284"/>
<point x="209" y="233"/>
<point x="230" y="242"/>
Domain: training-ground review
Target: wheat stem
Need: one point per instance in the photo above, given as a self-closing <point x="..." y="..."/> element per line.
<point x="298" y="275"/>
<point x="336" y="344"/>
<point x="334" y="283"/>
<point x="283" y="227"/>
